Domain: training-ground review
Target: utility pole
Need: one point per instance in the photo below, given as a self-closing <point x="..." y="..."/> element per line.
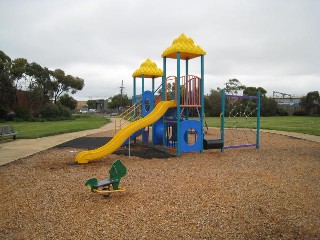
<point x="121" y="93"/>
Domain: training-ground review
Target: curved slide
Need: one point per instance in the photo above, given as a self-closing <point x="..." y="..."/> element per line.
<point x="121" y="136"/>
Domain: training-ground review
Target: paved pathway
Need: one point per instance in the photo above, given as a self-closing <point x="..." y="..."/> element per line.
<point x="13" y="150"/>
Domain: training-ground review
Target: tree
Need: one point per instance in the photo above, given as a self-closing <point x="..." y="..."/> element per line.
<point x="253" y="91"/>
<point x="40" y="80"/>
<point x="68" y="101"/>
<point x="312" y="103"/>
<point x="118" y="101"/>
<point x="7" y="89"/>
<point x="64" y="83"/>
<point x="212" y="103"/>
<point x="269" y="107"/>
<point x="233" y="86"/>
<point x="18" y="73"/>
<point x="91" y="104"/>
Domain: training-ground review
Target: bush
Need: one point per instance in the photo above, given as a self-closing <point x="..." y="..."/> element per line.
<point x="53" y="112"/>
<point x="3" y="113"/>
<point x="282" y="112"/>
<point x="22" y="113"/>
<point x="299" y="113"/>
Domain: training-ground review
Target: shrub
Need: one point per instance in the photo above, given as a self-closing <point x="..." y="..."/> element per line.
<point x="3" y="113"/>
<point x="282" y="112"/>
<point x="22" y="113"/>
<point x="54" y="112"/>
<point x="299" y="113"/>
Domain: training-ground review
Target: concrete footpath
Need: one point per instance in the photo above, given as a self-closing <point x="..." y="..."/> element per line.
<point x="13" y="150"/>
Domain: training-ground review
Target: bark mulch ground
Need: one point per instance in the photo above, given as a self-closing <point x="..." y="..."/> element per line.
<point x="270" y="193"/>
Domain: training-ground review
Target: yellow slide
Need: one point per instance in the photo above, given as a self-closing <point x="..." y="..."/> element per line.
<point x="125" y="133"/>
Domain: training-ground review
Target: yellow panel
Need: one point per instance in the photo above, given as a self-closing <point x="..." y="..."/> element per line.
<point x="148" y="69"/>
<point x="185" y="46"/>
<point x="125" y="133"/>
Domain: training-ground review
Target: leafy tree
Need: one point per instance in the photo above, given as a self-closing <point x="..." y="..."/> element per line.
<point x="18" y="73"/>
<point x="311" y="103"/>
<point x="253" y="91"/>
<point x="234" y="86"/>
<point x="7" y="89"/>
<point x="41" y="81"/>
<point x="118" y="101"/>
<point x="212" y="103"/>
<point x="64" y="83"/>
<point x="269" y="107"/>
<point x="91" y="104"/>
<point x="68" y="101"/>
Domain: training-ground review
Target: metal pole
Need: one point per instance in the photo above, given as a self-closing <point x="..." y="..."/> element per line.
<point x="164" y="98"/>
<point x="164" y="78"/>
<point x="223" y="104"/>
<point x="202" y="101"/>
<point x="129" y="148"/>
<point x="258" y="121"/>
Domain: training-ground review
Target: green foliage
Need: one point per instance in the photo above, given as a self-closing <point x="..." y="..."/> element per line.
<point x="312" y="103"/>
<point x="22" y="114"/>
<point x="118" y="101"/>
<point x="91" y="104"/>
<point x="64" y="83"/>
<point x="68" y="101"/>
<point x="54" y="112"/>
<point x="7" y="90"/>
<point x="269" y="107"/>
<point x="299" y="113"/>
<point x="282" y="112"/>
<point x="212" y="104"/>
<point x="39" y="82"/>
<point x="234" y="86"/>
<point x="253" y="91"/>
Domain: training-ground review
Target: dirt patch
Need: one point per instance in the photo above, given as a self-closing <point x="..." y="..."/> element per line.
<point x="271" y="193"/>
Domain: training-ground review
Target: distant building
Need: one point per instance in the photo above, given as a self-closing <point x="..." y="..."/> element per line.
<point x="289" y="102"/>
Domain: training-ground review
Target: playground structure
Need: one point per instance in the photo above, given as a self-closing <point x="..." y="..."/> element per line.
<point x="240" y="112"/>
<point x="181" y="97"/>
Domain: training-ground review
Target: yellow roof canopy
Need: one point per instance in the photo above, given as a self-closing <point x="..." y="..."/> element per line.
<point x="148" y="69"/>
<point x="185" y="46"/>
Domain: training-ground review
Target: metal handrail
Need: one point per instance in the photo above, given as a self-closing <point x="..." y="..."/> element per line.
<point x="125" y="115"/>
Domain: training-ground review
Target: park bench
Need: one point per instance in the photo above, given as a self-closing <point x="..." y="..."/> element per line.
<point x="6" y="131"/>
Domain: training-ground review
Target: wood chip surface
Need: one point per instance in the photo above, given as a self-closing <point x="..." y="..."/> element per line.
<point x="271" y="193"/>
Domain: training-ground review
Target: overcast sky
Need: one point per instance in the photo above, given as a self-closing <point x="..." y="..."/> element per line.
<point x="274" y="44"/>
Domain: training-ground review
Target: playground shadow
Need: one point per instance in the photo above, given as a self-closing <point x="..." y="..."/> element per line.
<point x="136" y="149"/>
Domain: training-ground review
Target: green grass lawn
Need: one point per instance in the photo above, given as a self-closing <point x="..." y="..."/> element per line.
<point x="308" y="125"/>
<point x="42" y="129"/>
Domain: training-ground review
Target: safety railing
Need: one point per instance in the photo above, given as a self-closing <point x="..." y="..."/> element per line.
<point x="130" y="115"/>
<point x="189" y="90"/>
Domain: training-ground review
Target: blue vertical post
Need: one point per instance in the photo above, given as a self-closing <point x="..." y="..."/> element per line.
<point x="258" y="121"/>
<point x="223" y="108"/>
<point x="178" y="105"/>
<point x="202" y="101"/>
<point x="151" y="107"/>
<point x="134" y="98"/>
